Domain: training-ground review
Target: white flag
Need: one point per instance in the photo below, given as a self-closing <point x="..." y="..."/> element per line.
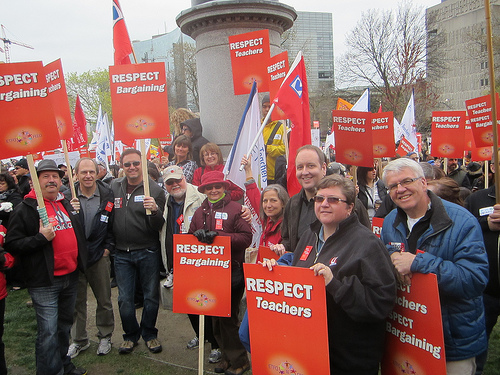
<point x="363" y="103"/>
<point x="408" y="125"/>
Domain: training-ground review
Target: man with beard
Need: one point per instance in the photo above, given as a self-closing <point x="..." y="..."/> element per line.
<point x="458" y="174"/>
<point x="183" y="199"/>
<point x="50" y="255"/>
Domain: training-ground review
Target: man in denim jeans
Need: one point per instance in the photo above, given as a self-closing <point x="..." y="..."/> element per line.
<point x="137" y="251"/>
<point x="50" y="255"/>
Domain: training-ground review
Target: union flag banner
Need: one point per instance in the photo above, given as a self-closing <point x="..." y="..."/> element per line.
<point x="383" y="134"/>
<point x="250" y="54"/>
<point x="414" y="330"/>
<point x="448" y="134"/>
<point x="285" y="306"/>
<point x="121" y="39"/>
<point x="27" y="120"/>
<point x="343" y="105"/>
<point x="276" y="70"/>
<point x="202" y="276"/>
<point x="139" y="100"/>
<point x="479" y="113"/>
<point x="353" y="138"/>
<point x="56" y="87"/>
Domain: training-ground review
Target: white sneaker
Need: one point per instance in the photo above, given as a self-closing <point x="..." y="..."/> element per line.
<point x="169" y="282"/>
<point x="75" y="349"/>
<point x="104" y="346"/>
<point x="215" y="356"/>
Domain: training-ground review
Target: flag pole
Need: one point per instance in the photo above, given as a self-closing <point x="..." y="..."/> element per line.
<point x="70" y="170"/>
<point x="42" y="211"/>
<point x="491" y="67"/>
<point x="145" y="175"/>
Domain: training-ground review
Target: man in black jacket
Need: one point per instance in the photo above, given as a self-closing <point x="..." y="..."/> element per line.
<point x="50" y="255"/>
<point x="94" y="203"/>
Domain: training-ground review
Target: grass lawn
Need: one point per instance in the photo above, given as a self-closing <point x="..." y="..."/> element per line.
<point x="20" y="334"/>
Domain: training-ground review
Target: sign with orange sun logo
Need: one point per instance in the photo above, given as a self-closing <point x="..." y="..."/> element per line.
<point x="59" y="98"/>
<point x="479" y="112"/>
<point x="250" y="53"/>
<point x="202" y="282"/>
<point x="448" y="134"/>
<point x="26" y="117"/>
<point x="287" y="320"/>
<point x="383" y="135"/>
<point x="353" y="138"/>
<point x="139" y="100"/>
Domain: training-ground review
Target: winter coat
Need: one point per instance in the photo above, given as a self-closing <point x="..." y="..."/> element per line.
<point x="34" y="252"/>
<point x="197" y="140"/>
<point x="13" y="196"/>
<point x="453" y="249"/>
<point x="360" y="296"/>
<point x="474" y="203"/>
<point x="233" y="226"/>
<point x="101" y="237"/>
<point x="133" y="229"/>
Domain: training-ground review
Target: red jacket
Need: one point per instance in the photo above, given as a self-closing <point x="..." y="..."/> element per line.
<point x="232" y="225"/>
<point x="9" y="262"/>
<point x="236" y="192"/>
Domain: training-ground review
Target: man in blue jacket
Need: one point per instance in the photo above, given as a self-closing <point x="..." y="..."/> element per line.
<point x="94" y="204"/>
<point x="428" y="235"/>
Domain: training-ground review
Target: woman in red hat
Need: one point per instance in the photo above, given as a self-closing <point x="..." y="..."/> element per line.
<point x="219" y="215"/>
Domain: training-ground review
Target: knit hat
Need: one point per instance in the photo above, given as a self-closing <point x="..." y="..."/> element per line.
<point x="212" y="178"/>
<point x="23" y="163"/>
<point x="266" y="99"/>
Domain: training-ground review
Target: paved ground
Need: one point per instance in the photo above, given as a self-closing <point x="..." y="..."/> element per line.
<point x="174" y="331"/>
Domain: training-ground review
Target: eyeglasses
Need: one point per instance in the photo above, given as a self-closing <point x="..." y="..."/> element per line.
<point x="172" y="181"/>
<point x="406" y="182"/>
<point x="329" y="199"/>
<point x="134" y="163"/>
<point x="212" y="154"/>
<point x="211" y="187"/>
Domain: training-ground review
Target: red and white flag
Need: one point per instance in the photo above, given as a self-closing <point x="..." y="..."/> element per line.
<point x="293" y="99"/>
<point x="121" y="40"/>
<point x="79" y="126"/>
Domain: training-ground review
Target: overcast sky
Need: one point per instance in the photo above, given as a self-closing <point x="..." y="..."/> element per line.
<point x="80" y="32"/>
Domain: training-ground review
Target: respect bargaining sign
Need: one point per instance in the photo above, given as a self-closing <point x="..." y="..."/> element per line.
<point x="414" y="339"/>
<point x="202" y="276"/>
<point x="284" y="306"/>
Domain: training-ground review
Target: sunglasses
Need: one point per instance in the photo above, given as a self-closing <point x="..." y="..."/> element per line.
<point x="211" y="187"/>
<point x="134" y="163"/>
<point x="330" y="199"/>
<point x="173" y="181"/>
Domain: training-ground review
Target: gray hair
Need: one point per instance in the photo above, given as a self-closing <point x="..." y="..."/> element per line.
<point x="282" y="196"/>
<point x="398" y="165"/>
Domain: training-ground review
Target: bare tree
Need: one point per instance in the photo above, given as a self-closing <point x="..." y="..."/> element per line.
<point x="184" y="75"/>
<point x="387" y="50"/>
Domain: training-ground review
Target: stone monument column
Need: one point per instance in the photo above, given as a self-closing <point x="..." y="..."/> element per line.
<point x="210" y="23"/>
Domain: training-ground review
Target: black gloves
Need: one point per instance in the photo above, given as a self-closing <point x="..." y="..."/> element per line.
<point x="205" y="236"/>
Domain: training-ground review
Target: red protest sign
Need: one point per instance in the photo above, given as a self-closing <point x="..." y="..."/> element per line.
<point x="277" y="70"/>
<point x="479" y="112"/>
<point x="266" y="253"/>
<point x="27" y="119"/>
<point x="383" y="134"/>
<point x="353" y="138"/>
<point x="284" y="307"/>
<point x="202" y="276"/>
<point x="377" y="223"/>
<point x="448" y="132"/>
<point x="405" y="147"/>
<point x="414" y="339"/>
<point x="139" y="100"/>
<point x="59" y="98"/>
<point x="250" y="54"/>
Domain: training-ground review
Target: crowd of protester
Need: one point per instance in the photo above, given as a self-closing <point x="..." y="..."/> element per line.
<point x="445" y="219"/>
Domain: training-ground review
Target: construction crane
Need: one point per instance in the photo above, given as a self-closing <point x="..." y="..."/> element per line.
<point x="7" y="42"/>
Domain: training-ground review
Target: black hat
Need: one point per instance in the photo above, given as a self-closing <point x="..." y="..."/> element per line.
<point x="49" y="165"/>
<point x="266" y="99"/>
<point x="23" y="163"/>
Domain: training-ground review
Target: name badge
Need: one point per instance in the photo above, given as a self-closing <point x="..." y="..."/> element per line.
<point x="104" y="218"/>
<point x="109" y="206"/>
<point x="485" y="211"/>
<point x="118" y="202"/>
<point x="139" y="198"/>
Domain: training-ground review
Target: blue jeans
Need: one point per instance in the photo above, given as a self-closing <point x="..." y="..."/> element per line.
<point x="128" y="265"/>
<point x="54" y="306"/>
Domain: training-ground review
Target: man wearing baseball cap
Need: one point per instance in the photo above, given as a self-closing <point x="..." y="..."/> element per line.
<point x="50" y="256"/>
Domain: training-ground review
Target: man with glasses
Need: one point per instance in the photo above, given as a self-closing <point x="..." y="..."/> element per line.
<point x="428" y="235"/>
<point x="137" y="251"/>
<point x="183" y="199"/>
